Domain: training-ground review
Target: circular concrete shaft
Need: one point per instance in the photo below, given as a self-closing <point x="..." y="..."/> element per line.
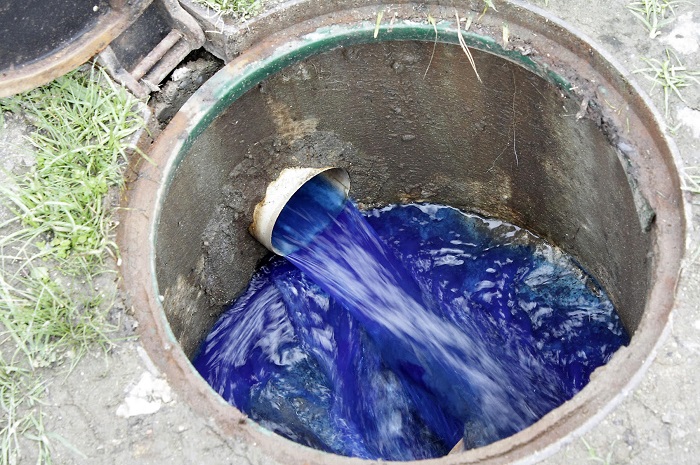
<point x="397" y="103"/>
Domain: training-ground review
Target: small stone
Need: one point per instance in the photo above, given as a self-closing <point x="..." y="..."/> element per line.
<point x="181" y="73"/>
<point x="146" y="397"/>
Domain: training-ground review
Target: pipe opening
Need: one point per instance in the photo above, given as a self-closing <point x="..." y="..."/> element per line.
<point x="300" y="203"/>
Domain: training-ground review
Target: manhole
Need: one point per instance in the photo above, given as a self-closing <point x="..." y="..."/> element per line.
<point x="40" y="45"/>
<point x="552" y="138"/>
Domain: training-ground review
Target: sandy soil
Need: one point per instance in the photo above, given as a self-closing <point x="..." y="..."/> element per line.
<point x="657" y="423"/>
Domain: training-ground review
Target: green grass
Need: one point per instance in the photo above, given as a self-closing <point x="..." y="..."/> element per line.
<point x="489" y="4"/>
<point x="593" y="455"/>
<point x="671" y="75"/>
<point x="242" y="9"/>
<point x="81" y="121"/>
<point x="692" y="179"/>
<point x="21" y="420"/>
<point x="6" y="104"/>
<point x="58" y="241"/>
<point x="654" y="14"/>
<point x="50" y="324"/>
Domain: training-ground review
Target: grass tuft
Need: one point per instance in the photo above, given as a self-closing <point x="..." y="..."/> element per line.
<point x="692" y="179"/>
<point x="48" y="323"/>
<point x="56" y="245"/>
<point x="243" y="9"/>
<point x="82" y="121"/>
<point x="593" y="455"/>
<point x="489" y="4"/>
<point x="654" y="14"/>
<point x="671" y="75"/>
<point x="21" y="420"/>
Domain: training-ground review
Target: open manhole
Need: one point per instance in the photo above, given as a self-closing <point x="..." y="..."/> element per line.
<point x="553" y="139"/>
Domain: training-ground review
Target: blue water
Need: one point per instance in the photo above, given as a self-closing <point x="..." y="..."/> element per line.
<point x="312" y="209"/>
<point x="397" y="333"/>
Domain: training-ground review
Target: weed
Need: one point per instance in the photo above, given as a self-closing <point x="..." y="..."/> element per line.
<point x="431" y="20"/>
<point x="654" y="14"/>
<point x="20" y="401"/>
<point x="6" y="104"/>
<point x="243" y="9"/>
<point x="378" y="23"/>
<point x="82" y="121"/>
<point x="670" y="74"/>
<point x="47" y="322"/>
<point x="463" y="44"/>
<point x="57" y="242"/>
<point x="692" y="179"/>
<point x="593" y="455"/>
<point x="489" y="4"/>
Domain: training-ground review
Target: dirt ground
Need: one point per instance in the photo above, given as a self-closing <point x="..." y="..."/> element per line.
<point x="656" y="423"/>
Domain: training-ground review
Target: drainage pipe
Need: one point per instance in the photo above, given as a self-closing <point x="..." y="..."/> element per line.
<point x="312" y="190"/>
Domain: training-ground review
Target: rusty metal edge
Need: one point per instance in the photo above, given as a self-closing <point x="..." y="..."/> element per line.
<point x="76" y="53"/>
<point x="611" y="383"/>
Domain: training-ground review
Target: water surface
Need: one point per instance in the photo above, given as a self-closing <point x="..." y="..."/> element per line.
<point x="397" y="333"/>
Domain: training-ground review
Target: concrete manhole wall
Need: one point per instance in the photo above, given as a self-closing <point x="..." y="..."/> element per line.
<point x="553" y="139"/>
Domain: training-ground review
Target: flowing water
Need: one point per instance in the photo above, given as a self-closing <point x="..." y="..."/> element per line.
<point x="396" y="334"/>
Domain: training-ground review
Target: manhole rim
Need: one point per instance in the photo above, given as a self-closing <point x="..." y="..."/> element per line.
<point x="137" y="237"/>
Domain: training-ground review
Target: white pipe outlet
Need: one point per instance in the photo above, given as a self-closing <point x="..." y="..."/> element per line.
<point x="281" y="190"/>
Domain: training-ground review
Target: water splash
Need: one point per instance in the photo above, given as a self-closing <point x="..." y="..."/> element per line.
<point x="408" y="330"/>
